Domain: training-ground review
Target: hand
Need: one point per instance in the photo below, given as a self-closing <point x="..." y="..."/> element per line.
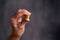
<point x="18" y="23"/>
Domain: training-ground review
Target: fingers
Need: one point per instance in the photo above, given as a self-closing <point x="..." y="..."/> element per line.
<point x="13" y="23"/>
<point x="22" y="12"/>
<point x="17" y="18"/>
<point x="25" y="13"/>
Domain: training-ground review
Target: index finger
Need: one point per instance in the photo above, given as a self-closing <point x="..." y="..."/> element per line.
<point x="22" y="12"/>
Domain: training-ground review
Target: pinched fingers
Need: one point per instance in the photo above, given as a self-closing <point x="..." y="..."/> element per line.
<point x="17" y="19"/>
<point x="23" y="13"/>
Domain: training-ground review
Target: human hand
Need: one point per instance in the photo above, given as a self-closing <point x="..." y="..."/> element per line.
<point x="18" y="23"/>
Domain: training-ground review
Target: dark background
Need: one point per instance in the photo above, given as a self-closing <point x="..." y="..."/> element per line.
<point x="45" y="18"/>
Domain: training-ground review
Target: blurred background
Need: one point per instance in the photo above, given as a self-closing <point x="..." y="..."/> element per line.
<point x="45" y="18"/>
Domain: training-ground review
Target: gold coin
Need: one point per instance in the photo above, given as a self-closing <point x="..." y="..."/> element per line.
<point x="27" y="18"/>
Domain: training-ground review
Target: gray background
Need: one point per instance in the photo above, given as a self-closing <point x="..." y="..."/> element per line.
<point x="45" y="18"/>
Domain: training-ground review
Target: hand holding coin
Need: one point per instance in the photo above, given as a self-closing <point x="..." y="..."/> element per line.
<point x="18" y="23"/>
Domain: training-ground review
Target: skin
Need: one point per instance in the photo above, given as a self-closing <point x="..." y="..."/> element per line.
<point x="18" y="24"/>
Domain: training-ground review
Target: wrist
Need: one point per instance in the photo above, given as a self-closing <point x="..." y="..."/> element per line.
<point x="13" y="37"/>
<point x="17" y="34"/>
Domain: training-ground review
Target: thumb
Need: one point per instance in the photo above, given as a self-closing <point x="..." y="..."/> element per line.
<point x="24" y="22"/>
